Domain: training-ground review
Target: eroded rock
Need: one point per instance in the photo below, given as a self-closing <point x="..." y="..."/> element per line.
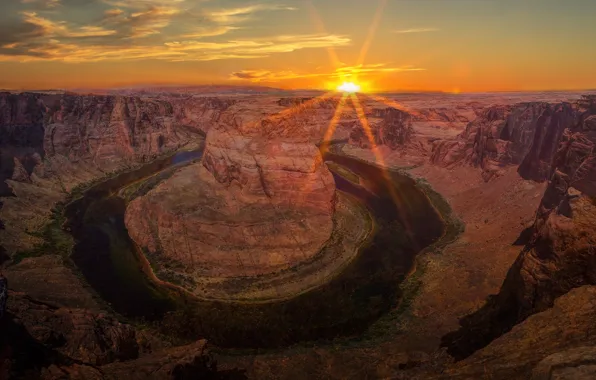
<point x="561" y="254"/>
<point x="260" y="201"/>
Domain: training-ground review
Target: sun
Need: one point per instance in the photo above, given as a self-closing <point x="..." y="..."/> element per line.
<point x="348" y="87"/>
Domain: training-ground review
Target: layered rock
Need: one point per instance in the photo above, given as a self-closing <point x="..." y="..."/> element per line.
<point x="394" y="129"/>
<point x="548" y="345"/>
<point x="260" y="201"/>
<point x="526" y="134"/>
<point x="39" y="340"/>
<point x="49" y="143"/>
<point x="561" y="253"/>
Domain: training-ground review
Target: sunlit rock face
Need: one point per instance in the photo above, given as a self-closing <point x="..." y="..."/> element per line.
<point x="112" y="129"/>
<point x="260" y="201"/>
<point x="561" y="254"/>
<point x="526" y="134"/>
<point x="388" y="126"/>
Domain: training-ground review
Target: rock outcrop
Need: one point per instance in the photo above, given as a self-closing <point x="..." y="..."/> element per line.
<point x="79" y="334"/>
<point x="394" y="129"/>
<point x="3" y="295"/>
<point x="561" y="254"/>
<point x="560" y="339"/>
<point x="42" y="341"/>
<point x="526" y="135"/>
<point x="260" y="201"/>
<point x="49" y="143"/>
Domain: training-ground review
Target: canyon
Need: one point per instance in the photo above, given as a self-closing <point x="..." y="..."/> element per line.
<point x="513" y="265"/>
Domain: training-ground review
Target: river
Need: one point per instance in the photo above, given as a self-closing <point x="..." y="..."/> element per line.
<point x="405" y="222"/>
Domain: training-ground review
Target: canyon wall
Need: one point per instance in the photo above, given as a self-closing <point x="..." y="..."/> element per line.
<point x="49" y="143"/>
<point x="388" y="126"/>
<point x="561" y="253"/>
<point x="525" y="135"/>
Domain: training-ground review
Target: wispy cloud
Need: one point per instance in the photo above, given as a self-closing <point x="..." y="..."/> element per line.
<point x="174" y="30"/>
<point x="241" y="14"/>
<point x="343" y="72"/>
<point x="56" y="50"/>
<point x="43" y="3"/>
<point x="45" y="27"/>
<point x="416" y="30"/>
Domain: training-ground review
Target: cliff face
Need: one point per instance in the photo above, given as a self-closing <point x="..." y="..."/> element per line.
<point x="260" y="201"/>
<point x="21" y="133"/>
<point x="526" y="134"/>
<point x="105" y="131"/>
<point x="50" y="143"/>
<point x="394" y="129"/>
<point x="561" y="254"/>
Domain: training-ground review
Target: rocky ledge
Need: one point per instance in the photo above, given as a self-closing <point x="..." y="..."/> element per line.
<point x="261" y="200"/>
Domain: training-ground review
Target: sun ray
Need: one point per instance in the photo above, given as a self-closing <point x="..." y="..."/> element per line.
<point x="395" y="196"/>
<point x="333" y="123"/>
<point x="301" y="106"/>
<point x="393" y="104"/>
<point x="371" y="31"/>
<point x="367" y="130"/>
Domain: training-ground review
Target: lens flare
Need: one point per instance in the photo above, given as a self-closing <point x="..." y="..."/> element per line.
<point x="349" y="87"/>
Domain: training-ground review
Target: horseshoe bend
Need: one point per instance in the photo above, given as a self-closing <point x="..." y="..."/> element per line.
<point x="252" y="206"/>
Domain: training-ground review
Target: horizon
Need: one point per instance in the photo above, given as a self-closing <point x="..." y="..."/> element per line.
<point x="385" y="46"/>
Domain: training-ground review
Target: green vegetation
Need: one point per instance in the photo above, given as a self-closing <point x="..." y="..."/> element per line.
<point x="454" y="226"/>
<point x="344" y="172"/>
<point x="55" y="241"/>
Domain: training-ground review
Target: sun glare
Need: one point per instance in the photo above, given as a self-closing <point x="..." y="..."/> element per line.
<point x="348" y="87"/>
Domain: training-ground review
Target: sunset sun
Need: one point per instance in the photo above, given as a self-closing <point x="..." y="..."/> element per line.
<point x="348" y="87"/>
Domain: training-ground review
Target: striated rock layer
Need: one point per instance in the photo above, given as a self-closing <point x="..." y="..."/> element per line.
<point x="526" y="135"/>
<point x="260" y="201"/>
<point x="561" y="253"/>
<point x="50" y="143"/>
<point x="388" y="126"/>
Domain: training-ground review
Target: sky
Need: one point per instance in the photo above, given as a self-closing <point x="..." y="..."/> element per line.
<point x="383" y="45"/>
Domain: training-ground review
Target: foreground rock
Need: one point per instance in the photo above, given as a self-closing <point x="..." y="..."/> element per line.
<point x="38" y="340"/>
<point x="260" y="201"/>
<point x="560" y="255"/>
<point x="545" y="343"/>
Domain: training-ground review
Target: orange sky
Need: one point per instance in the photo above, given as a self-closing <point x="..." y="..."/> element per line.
<point x="413" y="45"/>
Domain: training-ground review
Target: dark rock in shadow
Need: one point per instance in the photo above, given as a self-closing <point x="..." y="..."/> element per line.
<point x="524" y="237"/>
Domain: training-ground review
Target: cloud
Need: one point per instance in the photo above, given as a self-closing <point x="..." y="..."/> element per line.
<point x="174" y="51"/>
<point x="147" y="29"/>
<point x="43" y="3"/>
<point x="202" y="32"/>
<point x="343" y="72"/>
<point x="150" y="21"/>
<point x="140" y="4"/>
<point x="44" y="27"/>
<point x="416" y="30"/>
<point x="236" y="15"/>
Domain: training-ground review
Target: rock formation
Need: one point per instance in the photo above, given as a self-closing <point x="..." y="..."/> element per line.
<point x="49" y="143"/>
<point x="260" y="201"/>
<point x="3" y="295"/>
<point x="546" y="343"/>
<point x="394" y="129"/>
<point x="561" y="253"/>
<point x="40" y="340"/>
<point x="526" y="134"/>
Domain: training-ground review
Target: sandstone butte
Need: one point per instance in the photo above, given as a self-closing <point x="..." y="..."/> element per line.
<point x="261" y="200"/>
